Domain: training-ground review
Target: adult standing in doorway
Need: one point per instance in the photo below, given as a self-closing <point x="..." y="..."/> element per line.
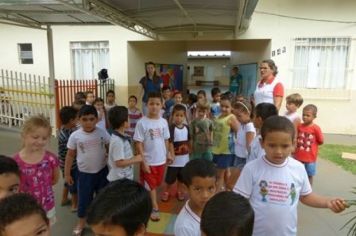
<point x="235" y="81"/>
<point x="269" y="89"/>
<point x="151" y="82"/>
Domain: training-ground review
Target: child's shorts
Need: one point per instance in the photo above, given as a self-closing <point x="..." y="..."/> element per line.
<point x="310" y="168"/>
<point x="154" y="179"/>
<point x="173" y="173"/>
<point x="204" y="155"/>
<point x="239" y="162"/>
<point x="223" y="161"/>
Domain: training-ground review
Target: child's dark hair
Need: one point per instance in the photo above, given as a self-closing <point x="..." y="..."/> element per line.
<point x="8" y="165"/>
<point x="225" y="97"/>
<point x="134" y="97"/>
<point x="295" y="98"/>
<point x="177" y="92"/>
<point x="215" y="91"/>
<point x="88" y="92"/>
<point x="277" y="124"/>
<point x="87" y="110"/>
<point x="98" y="99"/>
<point x="197" y="168"/>
<point x="265" y="110"/>
<point x="110" y="91"/>
<point x="117" y="116"/>
<point x="67" y="113"/>
<point x="236" y="219"/>
<point x="77" y="104"/>
<point x="244" y="106"/>
<point x="155" y="95"/>
<point x="123" y="202"/>
<point x="192" y="98"/>
<point x="311" y="107"/>
<point x="201" y="92"/>
<point x="165" y="88"/>
<point x="79" y="96"/>
<point x="178" y="107"/>
<point x="17" y="207"/>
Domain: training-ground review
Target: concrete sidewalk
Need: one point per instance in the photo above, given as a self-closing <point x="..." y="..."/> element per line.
<point x="330" y="180"/>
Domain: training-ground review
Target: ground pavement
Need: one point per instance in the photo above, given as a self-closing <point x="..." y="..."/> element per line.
<point x="330" y="180"/>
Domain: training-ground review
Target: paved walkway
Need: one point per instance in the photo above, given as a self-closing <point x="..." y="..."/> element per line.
<point x="330" y="180"/>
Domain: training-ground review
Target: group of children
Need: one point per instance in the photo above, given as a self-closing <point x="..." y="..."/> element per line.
<point x="262" y="159"/>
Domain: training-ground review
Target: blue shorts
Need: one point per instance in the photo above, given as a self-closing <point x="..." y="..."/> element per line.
<point x="223" y="161"/>
<point x="239" y="162"/>
<point x="310" y="168"/>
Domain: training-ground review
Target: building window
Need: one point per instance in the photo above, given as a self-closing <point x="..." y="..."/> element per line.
<point x="88" y="58"/>
<point x="25" y="53"/>
<point x="321" y="63"/>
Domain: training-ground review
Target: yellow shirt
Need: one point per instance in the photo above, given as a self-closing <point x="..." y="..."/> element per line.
<point x="221" y="132"/>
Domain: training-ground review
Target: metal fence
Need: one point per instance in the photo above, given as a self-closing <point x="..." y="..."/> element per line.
<point x="23" y="95"/>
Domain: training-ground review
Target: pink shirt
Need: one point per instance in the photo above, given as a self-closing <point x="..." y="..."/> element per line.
<point x="36" y="179"/>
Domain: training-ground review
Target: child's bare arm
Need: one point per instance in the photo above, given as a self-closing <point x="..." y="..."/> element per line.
<point x="139" y="148"/>
<point x="71" y="153"/>
<point x="249" y="138"/>
<point x="170" y="151"/>
<point x="133" y="160"/>
<point x="55" y="176"/>
<point x="313" y="200"/>
<point x="234" y="123"/>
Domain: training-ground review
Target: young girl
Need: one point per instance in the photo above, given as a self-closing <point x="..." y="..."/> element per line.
<point x="20" y="214"/>
<point x="99" y="106"/>
<point x="179" y="145"/>
<point x="39" y="168"/>
<point x="134" y="115"/>
<point x="243" y="139"/>
<point x="222" y="155"/>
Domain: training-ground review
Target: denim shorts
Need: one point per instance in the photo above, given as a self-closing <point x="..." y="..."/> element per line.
<point x="223" y="161"/>
<point x="310" y="168"/>
<point x="239" y="162"/>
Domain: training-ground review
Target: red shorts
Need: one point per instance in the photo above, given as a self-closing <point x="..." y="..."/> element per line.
<point x="154" y="179"/>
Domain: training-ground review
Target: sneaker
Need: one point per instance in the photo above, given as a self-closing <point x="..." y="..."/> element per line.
<point x="155" y="215"/>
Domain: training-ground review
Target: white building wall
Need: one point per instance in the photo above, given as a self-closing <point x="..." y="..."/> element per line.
<point x="275" y="20"/>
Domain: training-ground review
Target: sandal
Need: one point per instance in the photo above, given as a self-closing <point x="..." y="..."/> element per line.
<point x="77" y="231"/>
<point x="155" y="215"/>
<point x="180" y="196"/>
<point x="165" y="196"/>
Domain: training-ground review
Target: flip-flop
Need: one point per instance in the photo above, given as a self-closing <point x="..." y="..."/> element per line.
<point x="155" y="215"/>
<point x="180" y="196"/>
<point x="77" y="231"/>
<point x="165" y="196"/>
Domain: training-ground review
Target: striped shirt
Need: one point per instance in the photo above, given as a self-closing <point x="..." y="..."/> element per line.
<point x="63" y="137"/>
<point x="134" y="116"/>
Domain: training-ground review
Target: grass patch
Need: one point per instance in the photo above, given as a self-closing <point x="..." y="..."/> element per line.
<point x="333" y="153"/>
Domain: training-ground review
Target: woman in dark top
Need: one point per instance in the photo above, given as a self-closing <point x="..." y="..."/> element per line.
<point x="151" y="82"/>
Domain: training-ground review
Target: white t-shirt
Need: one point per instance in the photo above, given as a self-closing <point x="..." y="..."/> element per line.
<point x="180" y="139"/>
<point x="152" y="133"/>
<point x="292" y="116"/>
<point x="274" y="191"/>
<point x="240" y="139"/>
<point x="187" y="222"/>
<point x="119" y="149"/>
<point x="257" y="150"/>
<point x="265" y="93"/>
<point x="90" y="149"/>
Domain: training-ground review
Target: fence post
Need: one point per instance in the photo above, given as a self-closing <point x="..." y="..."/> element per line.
<point x="57" y="106"/>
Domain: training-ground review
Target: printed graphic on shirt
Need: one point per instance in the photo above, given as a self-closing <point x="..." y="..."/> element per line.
<point x="305" y="141"/>
<point x="181" y="147"/>
<point x="155" y="133"/>
<point x="277" y="192"/>
<point x="83" y="146"/>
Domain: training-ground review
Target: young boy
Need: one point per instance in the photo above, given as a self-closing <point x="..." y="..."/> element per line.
<point x="168" y="101"/>
<point x="201" y="129"/>
<point x="88" y="145"/>
<point x="68" y="117"/>
<point x="151" y="136"/>
<point x="134" y="115"/>
<point x="309" y="138"/>
<point x="262" y="112"/>
<point x="276" y="182"/>
<point x="89" y="98"/>
<point x="9" y="177"/>
<point x="235" y="220"/>
<point x="215" y="104"/>
<point x="110" y="100"/>
<point x="294" y="101"/>
<point x="21" y="214"/>
<point x="122" y="208"/>
<point x="121" y="159"/>
<point x="199" y="178"/>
